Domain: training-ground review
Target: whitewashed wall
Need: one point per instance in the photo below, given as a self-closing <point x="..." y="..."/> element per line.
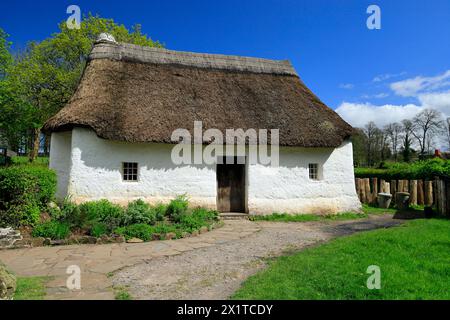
<point x="95" y="173"/>
<point x="288" y="188"/>
<point x="60" y="161"/>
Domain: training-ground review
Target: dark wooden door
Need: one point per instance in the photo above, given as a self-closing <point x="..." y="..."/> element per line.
<point x="231" y="187"/>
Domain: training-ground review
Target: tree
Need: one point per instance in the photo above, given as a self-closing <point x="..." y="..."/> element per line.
<point x="407" y="129"/>
<point x="393" y="130"/>
<point x="12" y="108"/>
<point x="425" y="125"/>
<point x="5" y="56"/>
<point x="446" y="132"/>
<point x="359" y="141"/>
<point x="371" y="131"/>
<point x="48" y="73"/>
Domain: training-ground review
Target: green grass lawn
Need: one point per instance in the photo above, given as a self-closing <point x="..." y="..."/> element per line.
<point x="23" y="160"/>
<point x="414" y="260"/>
<point x="30" y="288"/>
<point x="283" y="217"/>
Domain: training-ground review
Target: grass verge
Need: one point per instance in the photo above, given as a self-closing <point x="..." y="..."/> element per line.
<point x="284" y="217"/>
<point x="30" y="288"/>
<point x="413" y="260"/>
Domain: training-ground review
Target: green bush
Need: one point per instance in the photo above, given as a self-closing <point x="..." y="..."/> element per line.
<point x="52" y="230"/>
<point x="139" y="212"/>
<point x="101" y="211"/>
<point x="69" y="213"/>
<point x="426" y="169"/>
<point x="177" y="208"/>
<point x="27" y="188"/>
<point x="98" y="229"/>
<point x="139" y="230"/>
<point x="198" y="218"/>
<point x="160" y="211"/>
<point x="22" y="214"/>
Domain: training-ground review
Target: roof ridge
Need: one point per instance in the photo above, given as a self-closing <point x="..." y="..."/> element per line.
<point x="127" y="52"/>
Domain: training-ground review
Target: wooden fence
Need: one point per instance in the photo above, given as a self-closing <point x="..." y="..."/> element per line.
<point x="422" y="192"/>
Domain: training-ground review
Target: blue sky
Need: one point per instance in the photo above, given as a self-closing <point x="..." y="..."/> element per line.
<point x="351" y="68"/>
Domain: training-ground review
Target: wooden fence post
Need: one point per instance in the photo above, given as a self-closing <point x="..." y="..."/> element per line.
<point x="382" y="186"/>
<point x="367" y="190"/>
<point x="428" y="198"/>
<point x="393" y="187"/>
<point x="413" y="192"/>
<point x="387" y="187"/>
<point x="358" y="188"/>
<point x="375" y="190"/>
<point x="420" y="195"/>
<point x="361" y="191"/>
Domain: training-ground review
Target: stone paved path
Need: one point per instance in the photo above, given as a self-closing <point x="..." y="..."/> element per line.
<point x="210" y="266"/>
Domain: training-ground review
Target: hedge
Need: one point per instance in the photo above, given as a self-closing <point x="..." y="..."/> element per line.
<point x="426" y="169"/>
<point x="24" y="192"/>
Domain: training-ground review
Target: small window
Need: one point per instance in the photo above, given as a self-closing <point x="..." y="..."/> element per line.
<point x="313" y="171"/>
<point x="130" y="171"/>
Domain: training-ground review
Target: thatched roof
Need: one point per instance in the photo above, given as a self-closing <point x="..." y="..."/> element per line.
<point x="138" y="94"/>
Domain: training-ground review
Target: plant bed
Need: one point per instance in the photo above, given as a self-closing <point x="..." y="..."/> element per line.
<point x="101" y="222"/>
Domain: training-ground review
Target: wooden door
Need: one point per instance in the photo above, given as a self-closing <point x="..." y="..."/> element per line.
<point x="231" y="187"/>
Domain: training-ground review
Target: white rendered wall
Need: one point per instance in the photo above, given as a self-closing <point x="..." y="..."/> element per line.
<point x="60" y="161"/>
<point x="96" y="174"/>
<point x="288" y="188"/>
<point x="97" y="165"/>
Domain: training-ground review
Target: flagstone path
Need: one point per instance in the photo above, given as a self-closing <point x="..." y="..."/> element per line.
<point x="209" y="266"/>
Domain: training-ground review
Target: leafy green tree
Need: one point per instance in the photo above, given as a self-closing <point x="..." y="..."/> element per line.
<point x="5" y="56"/>
<point x="13" y="111"/>
<point x="47" y="75"/>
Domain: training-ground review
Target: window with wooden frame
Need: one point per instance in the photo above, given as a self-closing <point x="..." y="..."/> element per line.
<point x="130" y="171"/>
<point x="313" y="169"/>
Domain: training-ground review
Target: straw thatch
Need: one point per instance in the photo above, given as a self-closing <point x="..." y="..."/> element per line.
<point x="137" y="94"/>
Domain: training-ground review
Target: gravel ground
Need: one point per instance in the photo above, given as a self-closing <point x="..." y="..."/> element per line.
<point x="218" y="271"/>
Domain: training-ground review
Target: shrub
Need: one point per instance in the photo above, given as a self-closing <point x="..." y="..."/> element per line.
<point x="101" y="211"/>
<point x="198" y="218"/>
<point x="139" y="212"/>
<point x="98" y="229"/>
<point x="22" y="183"/>
<point x="51" y="229"/>
<point x="177" y="208"/>
<point x="25" y="188"/>
<point x="160" y="211"/>
<point x="139" y="230"/>
<point x="426" y="169"/>
<point x="68" y="212"/>
<point x="205" y="214"/>
<point x="22" y="214"/>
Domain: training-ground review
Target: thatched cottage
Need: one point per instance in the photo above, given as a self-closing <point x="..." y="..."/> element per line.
<point x="114" y="138"/>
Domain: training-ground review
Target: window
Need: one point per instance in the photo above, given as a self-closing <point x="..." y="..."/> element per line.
<point x="313" y="171"/>
<point x="130" y="171"/>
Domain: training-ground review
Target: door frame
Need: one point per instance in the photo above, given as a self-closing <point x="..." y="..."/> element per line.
<point x="246" y="166"/>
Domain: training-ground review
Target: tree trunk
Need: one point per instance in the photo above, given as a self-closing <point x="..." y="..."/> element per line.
<point x="36" y="140"/>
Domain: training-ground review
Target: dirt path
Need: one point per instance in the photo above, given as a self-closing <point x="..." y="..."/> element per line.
<point x="215" y="272"/>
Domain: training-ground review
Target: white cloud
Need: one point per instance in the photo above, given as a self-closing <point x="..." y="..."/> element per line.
<point x="346" y="86"/>
<point x="430" y="92"/>
<point x="386" y="76"/>
<point x="376" y="96"/>
<point x="414" y="86"/>
<point x="437" y="100"/>
<point x="359" y="114"/>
